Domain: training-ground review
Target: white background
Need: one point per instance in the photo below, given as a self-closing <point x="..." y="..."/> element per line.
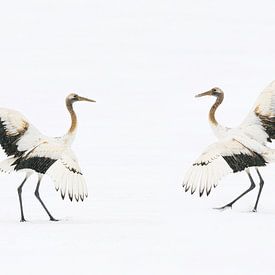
<point x="143" y="61"/>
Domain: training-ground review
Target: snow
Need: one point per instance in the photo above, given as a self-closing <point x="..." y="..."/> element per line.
<point x="143" y="62"/>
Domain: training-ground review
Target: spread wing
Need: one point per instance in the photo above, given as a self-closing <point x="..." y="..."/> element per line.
<point x="17" y="135"/>
<point x="260" y="122"/>
<point x="60" y="163"/>
<point x="29" y="149"/>
<point x="218" y="160"/>
<point x="68" y="177"/>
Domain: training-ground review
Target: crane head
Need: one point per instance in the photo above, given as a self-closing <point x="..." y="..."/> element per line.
<point x="74" y="98"/>
<point x="213" y="92"/>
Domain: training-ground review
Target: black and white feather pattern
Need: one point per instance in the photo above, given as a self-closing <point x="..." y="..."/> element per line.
<point x="260" y="122"/>
<point x="68" y="177"/>
<point x="28" y="149"/>
<point x="17" y="135"/>
<point x="218" y="160"/>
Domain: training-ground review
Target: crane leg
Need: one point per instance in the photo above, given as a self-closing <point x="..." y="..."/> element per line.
<point x="260" y="190"/>
<point x="252" y="186"/>
<point x="40" y="200"/>
<point x="19" y="190"/>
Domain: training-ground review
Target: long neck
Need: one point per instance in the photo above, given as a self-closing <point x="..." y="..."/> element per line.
<point x="213" y="109"/>
<point x="73" y="127"/>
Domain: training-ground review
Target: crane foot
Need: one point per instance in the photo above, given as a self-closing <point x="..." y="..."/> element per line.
<point x="224" y="207"/>
<point x="53" y="219"/>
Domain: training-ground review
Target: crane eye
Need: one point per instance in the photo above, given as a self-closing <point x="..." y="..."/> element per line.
<point x="214" y="90"/>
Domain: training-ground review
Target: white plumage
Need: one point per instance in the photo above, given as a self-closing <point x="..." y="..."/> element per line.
<point x="238" y="148"/>
<point x="212" y="164"/>
<point x="32" y="152"/>
<point x="253" y="125"/>
<point x="68" y="177"/>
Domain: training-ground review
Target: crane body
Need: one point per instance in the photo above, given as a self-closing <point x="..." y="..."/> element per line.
<point x="238" y="149"/>
<point x="31" y="152"/>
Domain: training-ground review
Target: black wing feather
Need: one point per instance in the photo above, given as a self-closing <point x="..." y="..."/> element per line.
<point x="9" y="142"/>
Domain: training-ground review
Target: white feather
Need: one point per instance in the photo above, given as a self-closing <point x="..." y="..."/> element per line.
<point x="6" y="165"/>
<point x="69" y="181"/>
<point x="70" y="187"/>
<point x="265" y="105"/>
<point x="211" y="166"/>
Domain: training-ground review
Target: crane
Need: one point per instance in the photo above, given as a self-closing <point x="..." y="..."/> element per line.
<point x="31" y="152"/>
<point x="238" y="149"/>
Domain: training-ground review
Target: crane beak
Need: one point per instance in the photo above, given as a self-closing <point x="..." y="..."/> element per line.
<point x="80" y="98"/>
<point x="204" y="94"/>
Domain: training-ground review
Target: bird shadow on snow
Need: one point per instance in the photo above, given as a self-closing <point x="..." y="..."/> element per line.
<point x="248" y="211"/>
<point x="259" y="212"/>
<point x="32" y="221"/>
<point x="28" y="222"/>
<point x="72" y="221"/>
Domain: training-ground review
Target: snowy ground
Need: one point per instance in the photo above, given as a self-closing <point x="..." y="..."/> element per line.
<point x="143" y="61"/>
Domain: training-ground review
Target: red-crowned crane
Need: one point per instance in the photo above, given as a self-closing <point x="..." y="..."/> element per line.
<point x="32" y="152"/>
<point x="238" y="148"/>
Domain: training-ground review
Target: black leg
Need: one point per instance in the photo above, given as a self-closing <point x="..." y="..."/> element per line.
<point x="42" y="203"/>
<point x="19" y="190"/>
<point x="252" y="186"/>
<point x="260" y="190"/>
